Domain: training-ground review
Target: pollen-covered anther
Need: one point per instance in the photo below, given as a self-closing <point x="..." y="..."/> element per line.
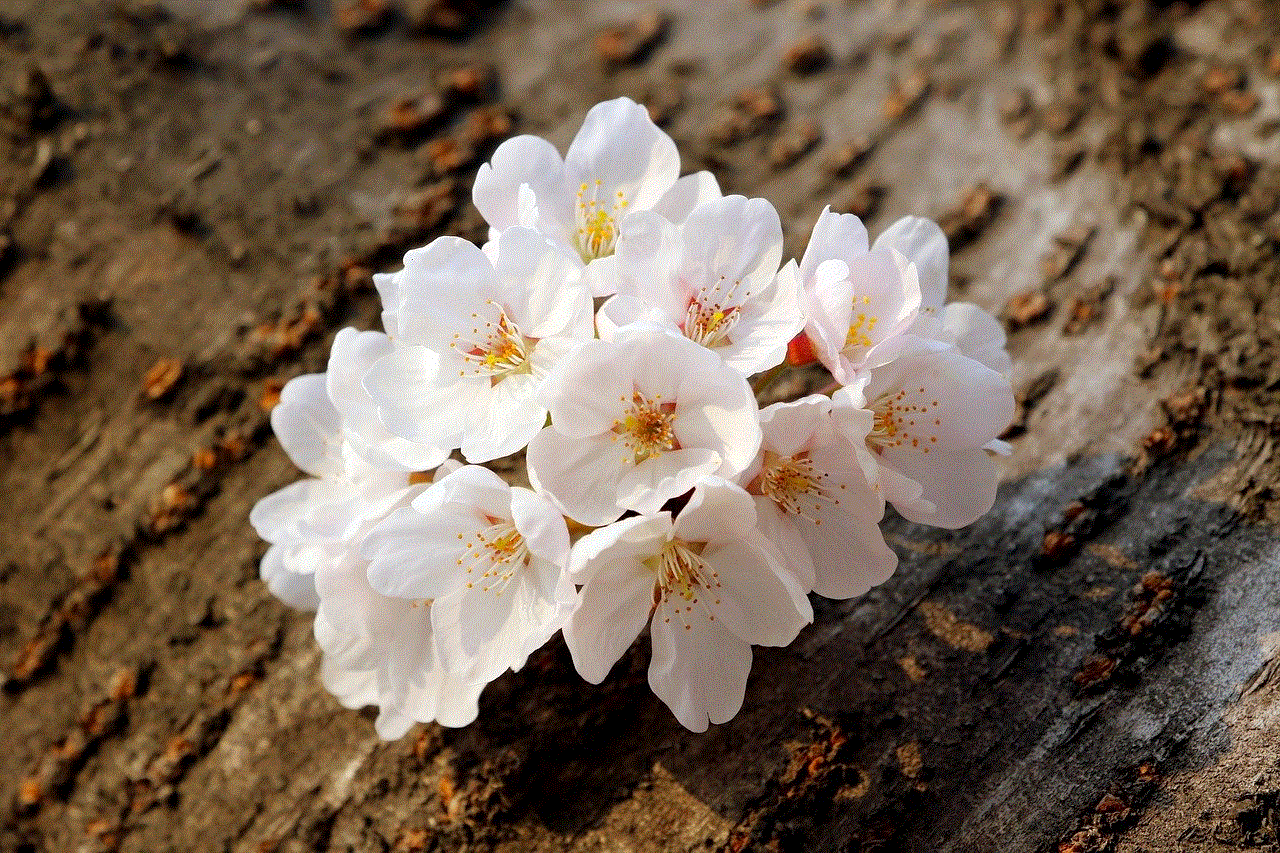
<point x="494" y="348"/>
<point x="494" y="555"/>
<point x="682" y="572"/>
<point x="794" y="485"/>
<point x="647" y="428"/>
<point x="861" y="326"/>
<point x="899" y="421"/>
<point x="596" y="234"/>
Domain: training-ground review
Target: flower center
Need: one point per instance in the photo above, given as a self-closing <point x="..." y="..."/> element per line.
<point x="494" y="555"/>
<point x="860" y="327"/>
<point x="713" y="313"/>
<point x="901" y="419"/>
<point x="794" y="485"/>
<point x="596" y="234"/>
<point x="682" y="572"/>
<point x="495" y="347"/>
<point x="647" y="428"/>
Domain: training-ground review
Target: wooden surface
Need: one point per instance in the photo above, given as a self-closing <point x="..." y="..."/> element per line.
<point x="192" y="196"/>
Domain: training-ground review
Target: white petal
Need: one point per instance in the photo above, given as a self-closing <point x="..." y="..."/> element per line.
<point x="308" y="426"/>
<point x="685" y="194"/>
<point x="579" y="475"/>
<point x="924" y="244"/>
<point x="503" y="420"/>
<point x="962" y="404"/>
<point x="296" y="590"/>
<point x="644" y="488"/>
<point x="542" y="284"/>
<point x="414" y="401"/>
<point x="614" y="608"/>
<point x="960" y="483"/>
<point x="835" y="235"/>
<point x="761" y="602"/>
<point x="541" y="525"/>
<point x="620" y="146"/>
<point x="413" y="555"/>
<point x="699" y="668"/>
<point x="978" y="335"/>
<point x="718" y="510"/>
<point x="520" y="160"/>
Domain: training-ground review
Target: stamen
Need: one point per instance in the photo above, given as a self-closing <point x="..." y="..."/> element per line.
<point x="713" y="313"/>
<point x="795" y="485"/>
<point x="494" y="556"/>
<point x="494" y="348"/>
<point x="647" y="428"/>
<point x="596" y="234"/>
<point x="682" y="572"/>
<point x="903" y="419"/>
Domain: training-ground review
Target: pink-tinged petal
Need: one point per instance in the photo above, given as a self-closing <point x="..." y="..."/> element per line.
<point x="718" y="510"/>
<point x="960" y="483"/>
<point x="924" y="244"/>
<point x="699" y="667"/>
<point x="835" y="235"/>
<point x="650" y="249"/>
<point x="583" y="393"/>
<point x="579" y="475"/>
<point x="636" y="538"/>
<point x="621" y="311"/>
<point x="685" y="194"/>
<point x="521" y="160"/>
<point x="614" y="608"/>
<point x="620" y="146"/>
<point x="761" y="601"/>
<point x="645" y="487"/>
<point x="940" y="400"/>
<point x="791" y="427"/>
<point x="848" y="558"/>
<point x="978" y="335"/>
<point x="779" y="529"/>
<point x="732" y="248"/>
<point x="541" y="525"/>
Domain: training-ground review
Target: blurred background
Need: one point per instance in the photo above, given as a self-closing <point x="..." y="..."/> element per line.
<point x="193" y="196"/>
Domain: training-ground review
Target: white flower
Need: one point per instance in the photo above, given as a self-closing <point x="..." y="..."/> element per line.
<point x="619" y="162"/>
<point x="856" y="298"/>
<point x="637" y="421"/>
<point x="494" y="560"/>
<point x="474" y="340"/>
<point x="380" y="650"/>
<point x="353" y="354"/>
<point x="973" y="331"/>
<point x="377" y="650"/>
<point x="714" y="279"/>
<point x="813" y="498"/>
<point x="304" y="520"/>
<point x="934" y="410"/>
<point x="708" y="584"/>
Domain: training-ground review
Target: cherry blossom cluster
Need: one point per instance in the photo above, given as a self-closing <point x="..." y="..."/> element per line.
<point x="609" y="331"/>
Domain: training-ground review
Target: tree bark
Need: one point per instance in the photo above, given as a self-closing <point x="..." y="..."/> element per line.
<point x="194" y="195"/>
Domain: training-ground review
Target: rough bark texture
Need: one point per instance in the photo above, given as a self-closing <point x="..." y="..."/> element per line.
<point x="192" y="196"/>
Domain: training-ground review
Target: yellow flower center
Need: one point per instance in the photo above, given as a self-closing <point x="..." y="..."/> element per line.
<point x="596" y="234"/>
<point x="681" y="572"/>
<point x="795" y="485"/>
<point x="647" y="428"/>
<point x="494" y="347"/>
<point x="494" y="555"/>
<point x="904" y="419"/>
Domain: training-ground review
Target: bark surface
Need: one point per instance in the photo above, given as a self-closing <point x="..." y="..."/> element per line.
<point x="193" y="195"/>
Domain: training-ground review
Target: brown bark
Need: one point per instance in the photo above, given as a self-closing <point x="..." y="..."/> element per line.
<point x="192" y="197"/>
